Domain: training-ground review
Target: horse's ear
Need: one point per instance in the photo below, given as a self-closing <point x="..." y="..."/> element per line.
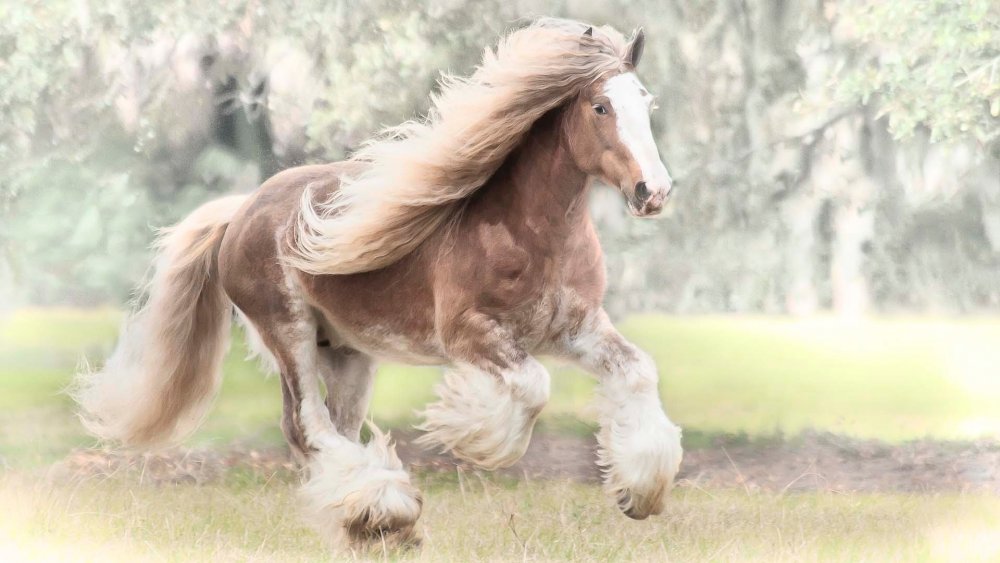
<point x="589" y="32"/>
<point x="634" y="52"/>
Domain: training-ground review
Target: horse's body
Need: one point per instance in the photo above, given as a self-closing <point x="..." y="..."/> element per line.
<point x="510" y="270"/>
<point x="533" y="279"/>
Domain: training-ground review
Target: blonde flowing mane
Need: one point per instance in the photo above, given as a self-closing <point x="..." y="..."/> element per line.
<point x="417" y="174"/>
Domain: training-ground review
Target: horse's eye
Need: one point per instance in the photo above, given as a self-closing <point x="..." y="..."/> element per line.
<point x="600" y="109"/>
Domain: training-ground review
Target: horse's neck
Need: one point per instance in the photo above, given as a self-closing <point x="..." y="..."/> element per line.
<point x="545" y="191"/>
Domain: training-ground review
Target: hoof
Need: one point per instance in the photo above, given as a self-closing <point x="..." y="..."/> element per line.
<point x="384" y="519"/>
<point x="361" y="497"/>
<point x="640" y="463"/>
<point x="641" y="507"/>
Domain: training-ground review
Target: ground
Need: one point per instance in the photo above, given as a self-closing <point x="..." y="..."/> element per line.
<point x="809" y="440"/>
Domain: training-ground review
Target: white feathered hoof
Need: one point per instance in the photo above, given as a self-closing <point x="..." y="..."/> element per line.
<point x="386" y="511"/>
<point x="640" y="463"/>
<point x="359" y="497"/>
<point x="482" y="420"/>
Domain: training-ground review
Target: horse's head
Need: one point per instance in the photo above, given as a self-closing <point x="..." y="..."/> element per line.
<point x="610" y="137"/>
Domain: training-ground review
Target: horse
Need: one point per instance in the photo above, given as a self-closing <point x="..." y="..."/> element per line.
<point x="462" y="239"/>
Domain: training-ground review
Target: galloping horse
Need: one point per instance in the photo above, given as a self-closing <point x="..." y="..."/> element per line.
<point x="462" y="240"/>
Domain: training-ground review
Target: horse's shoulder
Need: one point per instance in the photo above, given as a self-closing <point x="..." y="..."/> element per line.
<point x="583" y="269"/>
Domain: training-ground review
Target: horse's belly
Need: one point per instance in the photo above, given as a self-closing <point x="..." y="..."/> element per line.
<point x="386" y="344"/>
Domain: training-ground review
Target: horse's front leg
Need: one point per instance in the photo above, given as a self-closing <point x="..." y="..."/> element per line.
<point x="640" y="448"/>
<point x="489" y="401"/>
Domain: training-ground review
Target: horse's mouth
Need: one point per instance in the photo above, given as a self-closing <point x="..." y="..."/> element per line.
<point x="648" y="208"/>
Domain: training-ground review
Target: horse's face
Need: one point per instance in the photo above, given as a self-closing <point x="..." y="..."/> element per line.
<point x="610" y="137"/>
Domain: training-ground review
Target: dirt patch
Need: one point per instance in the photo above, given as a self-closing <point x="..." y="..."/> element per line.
<point x="810" y="462"/>
<point x="196" y="466"/>
<point x="828" y="462"/>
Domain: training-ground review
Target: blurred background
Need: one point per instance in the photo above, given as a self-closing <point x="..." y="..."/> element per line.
<point x="832" y="155"/>
<point x="829" y="265"/>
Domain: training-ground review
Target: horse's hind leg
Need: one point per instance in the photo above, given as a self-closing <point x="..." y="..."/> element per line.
<point x="348" y="375"/>
<point x="290" y="395"/>
<point x="355" y="493"/>
<point x="290" y="427"/>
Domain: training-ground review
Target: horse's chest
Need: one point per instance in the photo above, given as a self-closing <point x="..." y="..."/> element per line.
<point x="516" y="267"/>
<point x="549" y="307"/>
<point x="577" y="286"/>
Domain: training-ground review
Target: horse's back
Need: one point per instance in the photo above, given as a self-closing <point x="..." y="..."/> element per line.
<point x="388" y="312"/>
<point x="250" y="262"/>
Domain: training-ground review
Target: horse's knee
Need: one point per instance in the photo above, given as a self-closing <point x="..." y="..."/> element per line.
<point x="485" y="419"/>
<point x="530" y="384"/>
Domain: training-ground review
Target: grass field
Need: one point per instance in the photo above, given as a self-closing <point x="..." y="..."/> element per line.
<point x="890" y="379"/>
<point x="483" y="519"/>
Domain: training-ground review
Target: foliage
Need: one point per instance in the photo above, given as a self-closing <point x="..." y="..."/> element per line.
<point x="930" y="63"/>
<point x="120" y="116"/>
<point x="136" y="114"/>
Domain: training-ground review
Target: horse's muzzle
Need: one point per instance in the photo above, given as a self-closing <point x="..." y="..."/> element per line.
<point x="647" y="201"/>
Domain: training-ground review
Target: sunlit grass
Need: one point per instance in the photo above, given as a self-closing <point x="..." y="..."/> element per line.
<point x="890" y="379"/>
<point x="887" y="378"/>
<point x="488" y="519"/>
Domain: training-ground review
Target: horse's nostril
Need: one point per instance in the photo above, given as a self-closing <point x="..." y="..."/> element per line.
<point x="641" y="191"/>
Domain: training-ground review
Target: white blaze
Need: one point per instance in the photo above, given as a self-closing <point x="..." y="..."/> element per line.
<point x="631" y="103"/>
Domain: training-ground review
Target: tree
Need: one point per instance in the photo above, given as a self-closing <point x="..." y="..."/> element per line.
<point x="931" y="63"/>
<point x="830" y="155"/>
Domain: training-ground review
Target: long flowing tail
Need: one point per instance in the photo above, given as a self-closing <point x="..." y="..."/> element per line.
<point x="162" y="377"/>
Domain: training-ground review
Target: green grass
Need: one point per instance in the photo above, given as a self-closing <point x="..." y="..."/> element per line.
<point x="891" y="379"/>
<point x="485" y="519"/>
